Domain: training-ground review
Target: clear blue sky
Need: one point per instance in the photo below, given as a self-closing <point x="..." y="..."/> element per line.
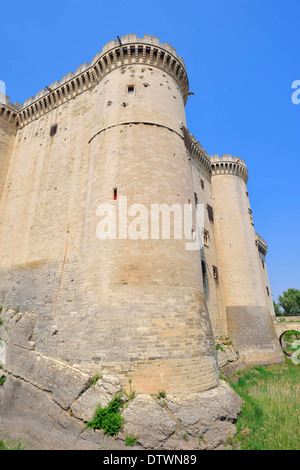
<point x="241" y="57"/>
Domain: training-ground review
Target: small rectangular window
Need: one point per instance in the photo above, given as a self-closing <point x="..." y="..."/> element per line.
<point x="130" y="89"/>
<point x="196" y="198"/>
<point x="215" y="273"/>
<point x="115" y="194"/>
<point x="203" y="266"/>
<point x="268" y="292"/>
<point x="210" y="212"/>
<point x="205" y="237"/>
<point x="202" y="184"/>
<point x="53" y="130"/>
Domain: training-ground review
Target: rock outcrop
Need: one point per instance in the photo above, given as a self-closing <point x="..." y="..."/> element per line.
<point x="46" y="403"/>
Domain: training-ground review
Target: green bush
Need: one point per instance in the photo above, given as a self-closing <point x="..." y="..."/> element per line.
<point x="108" y="418"/>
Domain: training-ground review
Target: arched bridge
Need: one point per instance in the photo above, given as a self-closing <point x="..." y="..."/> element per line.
<point x="289" y="323"/>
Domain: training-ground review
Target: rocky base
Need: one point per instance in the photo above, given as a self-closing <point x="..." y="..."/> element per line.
<point x="45" y="404"/>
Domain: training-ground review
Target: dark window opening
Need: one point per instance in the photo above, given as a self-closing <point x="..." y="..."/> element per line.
<point x="115" y="194"/>
<point x="263" y="263"/>
<point x="202" y="184"/>
<point x="130" y="89"/>
<point x="268" y="292"/>
<point x="196" y="198"/>
<point x="215" y="273"/>
<point x="53" y="130"/>
<point x="205" y="237"/>
<point x="203" y="265"/>
<point x="210" y="212"/>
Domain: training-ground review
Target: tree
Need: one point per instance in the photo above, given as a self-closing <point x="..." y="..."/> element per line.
<point x="289" y="302"/>
<point x="277" y="310"/>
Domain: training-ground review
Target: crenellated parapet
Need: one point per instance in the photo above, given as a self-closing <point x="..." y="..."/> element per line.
<point x="117" y="53"/>
<point x="199" y="155"/>
<point x="228" y="165"/>
<point x="8" y="111"/>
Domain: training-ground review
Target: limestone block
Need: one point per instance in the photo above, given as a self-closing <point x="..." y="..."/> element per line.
<point x="99" y="394"/>
<point x="147" y="419"/>
<point x="30" y="414"/>
<point x="217" y="435"/>
<point x="216" y="404"/>
<point x="64" y="381"/>
<point x="22" y="331"/>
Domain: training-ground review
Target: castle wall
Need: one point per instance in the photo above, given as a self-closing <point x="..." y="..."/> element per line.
<point x="249" y="320"/>
<point x="266" y="282"/>
<point x="210" y="258"/>
<point x="7" y="138"/>
<point x="135" y="307"/>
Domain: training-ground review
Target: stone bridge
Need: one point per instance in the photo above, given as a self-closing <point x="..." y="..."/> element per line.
<point x="289" y="323"/>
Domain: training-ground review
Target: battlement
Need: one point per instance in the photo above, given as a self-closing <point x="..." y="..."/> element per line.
<point x="8" y="110"/>
<point x="199" y="154"/>
<point x="228" y="165"/>
<point x="127" y="50"/>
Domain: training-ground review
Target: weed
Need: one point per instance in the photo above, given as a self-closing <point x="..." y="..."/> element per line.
<point x="131" y="440"/>
<point x="2" y="380"/>
<point x="161" y="395"/>
<point x="10" y="446"/>
<point x="130" y="396"/>
<point x="108" y="418"/>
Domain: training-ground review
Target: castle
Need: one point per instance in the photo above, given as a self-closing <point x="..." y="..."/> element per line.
<point x="141" y="308"/>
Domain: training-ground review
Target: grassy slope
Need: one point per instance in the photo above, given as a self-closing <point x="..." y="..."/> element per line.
<point x="270" y="417"/>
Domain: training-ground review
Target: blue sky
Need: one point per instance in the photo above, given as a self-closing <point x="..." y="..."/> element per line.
<point x="242" y="57"/>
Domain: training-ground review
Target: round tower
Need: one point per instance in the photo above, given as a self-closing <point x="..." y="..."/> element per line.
<point x="249" y="321"/>
<point x="148" y="319"/>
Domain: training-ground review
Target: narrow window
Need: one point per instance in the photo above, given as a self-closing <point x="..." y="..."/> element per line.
<point x="115" y="194"/>
<point x="196" y="198"/>
<point x="268" y="292"/>
<point x="210" y="212"/>
<point x="130" y="89"/>
<point x="202" y="184"/>
<point x="205" y="237"/>
<point x="215" y="273"/>
<point x="263" y="263"/>
<point x="53" y="130"/>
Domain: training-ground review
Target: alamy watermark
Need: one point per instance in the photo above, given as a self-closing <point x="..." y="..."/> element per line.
<point x="159" y="221"/>
<point x="296" y="93"/>
<point x="296" y="354"/>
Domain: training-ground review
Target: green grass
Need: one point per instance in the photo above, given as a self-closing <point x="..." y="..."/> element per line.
<point x="270" y="416"/>
<point x="10" y="446"/>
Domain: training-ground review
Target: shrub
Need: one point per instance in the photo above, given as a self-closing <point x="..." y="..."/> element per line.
<point x="108" y="418"/>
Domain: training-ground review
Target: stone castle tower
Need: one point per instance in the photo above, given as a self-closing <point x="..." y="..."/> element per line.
<point x="145" y="309"/>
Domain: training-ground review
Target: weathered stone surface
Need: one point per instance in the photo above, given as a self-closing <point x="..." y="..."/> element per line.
<point x="226" y="354"/>
<point x="216" y="404"/>
<point x="64" y="381"/>
<point x="99" y="394"/>
<point x="151" y="422"/>
<point x="21" y="332"/>
<point x="217" y="435"/>
<point x="30" y="414"/>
